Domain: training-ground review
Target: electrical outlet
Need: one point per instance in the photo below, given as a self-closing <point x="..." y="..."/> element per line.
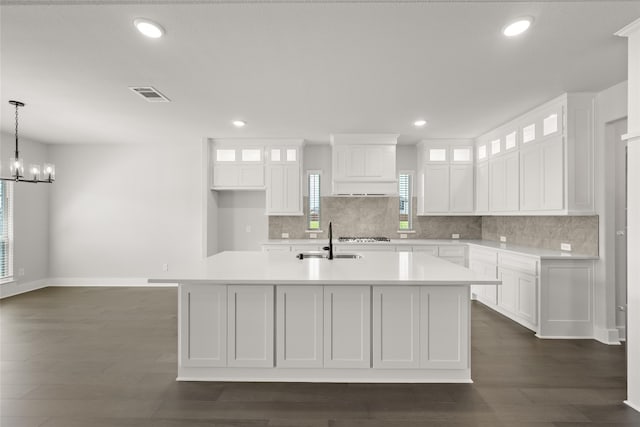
<point x="565" y="247"/>
<point x="247" y="228"/>
<point x="313" y="235"/>
<point x="455" y="236"/>
<point x="21" y="272"/>
<point x="503" y="239"/>
<point x="165" y="267"/>
<point x="285" y="235"/>
<point x="403" y="236"/>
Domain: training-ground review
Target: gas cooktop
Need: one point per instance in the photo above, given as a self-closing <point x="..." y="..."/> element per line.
<point x="363" y="239"/>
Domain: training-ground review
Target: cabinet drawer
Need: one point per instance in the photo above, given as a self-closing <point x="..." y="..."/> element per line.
<point x="488" y="256"/>
<point x="276" y="248"/>
<point x="519" y="263"/>
<point x="455" y="260"/>
<point x="431" y="250"/>
<point x="451" y="251"/>
<point x="306" y="248"/>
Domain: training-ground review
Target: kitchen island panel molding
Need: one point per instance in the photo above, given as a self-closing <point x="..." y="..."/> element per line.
<point x="203" y="326"/>
<point x="250" y="326"/>
<point x="347" y="325"/>
<point x="444" y="327"/>
<point x="299" y="333"/>
<point x="396" y="327"/>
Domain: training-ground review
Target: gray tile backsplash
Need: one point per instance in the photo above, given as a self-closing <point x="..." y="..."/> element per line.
<point x="374" y="216"/>
<point x="545" y="232"/>
<point x="378" y="216"/>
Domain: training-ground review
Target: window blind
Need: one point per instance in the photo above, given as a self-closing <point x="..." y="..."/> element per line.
<point x="404" y="190"/>
<point x="6" y="231"/>
<point x="313" y="216"/>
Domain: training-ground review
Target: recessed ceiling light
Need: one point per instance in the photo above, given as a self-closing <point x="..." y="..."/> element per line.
<point x="149" y="28"/>
<point x="239" y="123"/>
<point x="419" y="123"/>
<point x="517" y="27"/>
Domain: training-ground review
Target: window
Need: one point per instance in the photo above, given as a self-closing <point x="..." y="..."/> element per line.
<point x="404" y="190"/>
<point x="251" y="155"/>
<point x="462" y="154"/>
<point x="528" y="133"/>
<point x="550" y="124"/>
<point x="482" y="152"/>
<point x="510" y="141"/>
<point x="495" y="146"/>
<point x="223" y="155"/>
<point x="6" y="231"/>
<point x="437" y="155"/>
<point x="313" y="215"/>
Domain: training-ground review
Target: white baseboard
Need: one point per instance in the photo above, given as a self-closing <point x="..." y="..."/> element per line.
<point x="622" y="333"/>
<point x="607" y="336"/>
<point x="106" y="281"/>
<point x="632" y="405"/>
<point x="15" y="288"/>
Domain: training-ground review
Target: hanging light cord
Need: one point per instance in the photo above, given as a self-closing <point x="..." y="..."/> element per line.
<point x="17" y="152"/>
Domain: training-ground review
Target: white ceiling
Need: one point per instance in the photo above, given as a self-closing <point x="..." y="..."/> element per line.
<point x="297" y="68"/>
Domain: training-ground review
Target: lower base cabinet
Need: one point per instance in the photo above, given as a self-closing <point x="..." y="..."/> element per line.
<point x="202" y="326"/>
<point x="347" y="323"/>
<point x="250" y="326"/>
<point x="369" y="332"/>
<point x="396" y="327"/>
<point x="299" y="328"/>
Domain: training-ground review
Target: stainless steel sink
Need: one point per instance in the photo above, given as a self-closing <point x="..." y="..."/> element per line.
<point x="318" y="254"/>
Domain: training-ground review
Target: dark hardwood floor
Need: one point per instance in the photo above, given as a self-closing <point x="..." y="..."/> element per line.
<point x="102" y="357"/>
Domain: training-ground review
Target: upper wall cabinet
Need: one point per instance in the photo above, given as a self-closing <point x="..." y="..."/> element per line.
<point x="274" y="165"/>
<point x="237" y="165"/>
<point x="284" y="178"/>
<point x="445" y="177"/>
<point x="540" y="163"/>
<point x="364" y="164"/>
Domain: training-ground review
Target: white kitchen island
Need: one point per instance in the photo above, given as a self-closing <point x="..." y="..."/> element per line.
<point x="267" y="316"/>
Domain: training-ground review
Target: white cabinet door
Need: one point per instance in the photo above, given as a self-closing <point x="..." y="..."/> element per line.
<point x="283" y="189"/>
<point x="225" y="175"/>
<point x="299" y="326"/>
<point x="436" y="188"/>
<point x="250" y="175"/>
<point x="530" y="178"/>
<point x="238" y="175"/>
<point x="482" y="187"/>
<point x="512" y="182"/>
<point x="203" y="325"/>
<point x="552" y="174"/>
<point x="508" y="291"/>
<point x="347" y="327"/>
<point x="431" y="250"/>
<point x="497" y="199"/>
<point x="356" y="162"/>
<point x="373" y="162"/>
<point x="396" y="325"/>
<point x="527" y="307"/>
<point x="250" y="318"/>
<point x="444" y="326"/>
<point x="461" y="188"/>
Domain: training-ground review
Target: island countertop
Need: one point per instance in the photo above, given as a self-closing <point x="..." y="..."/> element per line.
<point x="283" y="268"/>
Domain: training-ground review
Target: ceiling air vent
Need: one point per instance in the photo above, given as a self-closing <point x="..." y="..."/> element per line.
<point x="150" y="94"/>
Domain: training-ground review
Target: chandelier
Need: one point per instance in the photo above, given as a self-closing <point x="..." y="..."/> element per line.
<point x="36" y="174"/>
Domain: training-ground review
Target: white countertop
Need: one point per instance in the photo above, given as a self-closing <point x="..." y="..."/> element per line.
<point x="283" y="268"/>
<point x="521" y="250"/>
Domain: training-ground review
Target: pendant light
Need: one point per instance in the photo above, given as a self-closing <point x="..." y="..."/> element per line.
<point x="35" y="173"/>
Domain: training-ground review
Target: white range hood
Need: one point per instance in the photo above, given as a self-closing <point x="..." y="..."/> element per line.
<point x="364" y="164"/>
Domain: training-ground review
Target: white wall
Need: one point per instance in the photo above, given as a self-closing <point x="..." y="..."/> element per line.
<point x="242" y="223"/>
<point x="611" y="105"/>
<point x="121" y="211"/>
<point x="31" y="219"/>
